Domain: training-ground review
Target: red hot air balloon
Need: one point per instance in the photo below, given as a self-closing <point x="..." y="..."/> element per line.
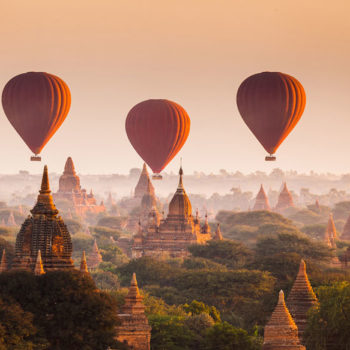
<point x="36" y="104"/>
<point x="271" y="104"/>
<point x="157" y="129"/>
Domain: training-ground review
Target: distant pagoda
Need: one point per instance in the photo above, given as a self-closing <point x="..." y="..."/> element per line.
<point x="331" y="231"/>
<point x="285" y="199"/>
<point x="94" y="258"/>
<point x="218" y="234"/>
<point x="346" y="230"/>
<point x="281" y="332"/>
<point x="261" y="200"/>
<point x="70" y="190"/>
<point x="11" y="220"/>
<point x="143" y="183"/>
<point x="46" y="232"/>
<point x="174" y="233"/>
<point x="301" y="298"/>
<point x="134" y="328"/>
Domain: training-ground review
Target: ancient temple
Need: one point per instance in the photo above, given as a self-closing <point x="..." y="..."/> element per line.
<point x="70" y="189"/>
<point x="175" y="233"/>
<point x="46" y="232"/>
<point x="134" y="329"/>
<point x="301" y="298"/>
<point x="11" y="220"/>
<point x="94" y="258"/>
<point x="143" y="183"/>
<point x="261" y="200"/>
<point x="346" y="230"/>
<point x="281" y="332"/>
<point x="285" y="199"/>
<point x="218" y="234"/>
<point x="331" y="232"/>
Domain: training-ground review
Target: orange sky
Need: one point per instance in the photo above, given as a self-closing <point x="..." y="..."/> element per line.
<point x="116" y="53"/>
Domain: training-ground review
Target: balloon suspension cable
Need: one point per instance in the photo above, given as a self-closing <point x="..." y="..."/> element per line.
<point x="270" y="158"/>
<point x="35" y="158"/>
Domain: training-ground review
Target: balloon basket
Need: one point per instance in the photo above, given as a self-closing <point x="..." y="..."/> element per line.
<point x="35" y="159"/>
<point x="270" y="158"/>
<point x="157" y="177"/>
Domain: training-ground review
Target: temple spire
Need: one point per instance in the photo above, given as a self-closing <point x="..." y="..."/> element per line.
<point x="69" y="167"/>
<point x="218" y="234"/>
<point x="3" y="266"/>
<point x="45" y="184"/>
<point x="261" y="200"/>
<point x="180" y="179"/>
<point x="83" y="264"/>
<point x="301" y="298"/>
<point x="281" y="331"/>
<point x="331" y="230"/>
<point x="39" y="269"/>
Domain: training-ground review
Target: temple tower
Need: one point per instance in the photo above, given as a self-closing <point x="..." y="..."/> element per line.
<point x="143" y="183"/>
<point x="43" y="230"/>
<point x="281" y="332"/>
<point x="331" y="231"/>
<point x="69" y="181"/>
<point x="261" y="200"/>
<point x="301" y="298"/>
<point x="218" y="234"/>
<point x="134" y="328"/>
<point x="285" y="199"/>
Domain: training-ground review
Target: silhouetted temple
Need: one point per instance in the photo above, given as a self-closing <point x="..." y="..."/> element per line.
<point x="301" y="298"/>
<point x="173" y="234"/>
<point x="70" y="189"/>
<point x="281" y="332"/>
<point x="134" y="329"/>
<point x="261" y="200"/>
<point x="143" y="183"/>
<point x="46" y="232"/>
<point x="285" y="199"/>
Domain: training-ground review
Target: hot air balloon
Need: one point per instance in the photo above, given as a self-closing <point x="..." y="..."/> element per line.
<point x="271" y="104"/>
<point x="36" y="104"/>
<point x="157" y="129"/>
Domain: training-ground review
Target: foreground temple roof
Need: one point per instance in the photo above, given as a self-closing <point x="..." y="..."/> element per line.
<point x="43" y="230"/>
<point x="281" y="331"/>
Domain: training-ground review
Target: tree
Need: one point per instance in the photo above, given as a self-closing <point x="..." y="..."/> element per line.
<point x="197" y="308"/>
<point x="329" y="322"/>
<point x="224" y="336"/>
<point x="68" y="309"/>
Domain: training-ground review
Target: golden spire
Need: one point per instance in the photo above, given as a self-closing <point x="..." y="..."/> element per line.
<point x="180" y="179"/>
<point x="83" y="264"/>
<point x="3" y="266"/>
<point x="45" y="203"/>
<point x="134" y="291"/>
<point x="39" y="269"/>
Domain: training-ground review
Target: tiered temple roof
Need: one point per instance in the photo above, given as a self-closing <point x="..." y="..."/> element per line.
<point x="70" y="189"/>
<point x="261" y="200"/>
<point x="174" y="233"/>
<point x="285" y="199"/>
<point x="43" y="230"/>
<point x="301" y="298"/>
<point x="134" y="328"/>
<point x="281" y="332"/>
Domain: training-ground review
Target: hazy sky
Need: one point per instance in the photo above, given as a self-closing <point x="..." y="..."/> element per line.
<point x="116" y="53"/>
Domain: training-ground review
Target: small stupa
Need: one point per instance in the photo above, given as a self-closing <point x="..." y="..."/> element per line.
<point x="261" y="200"/>
<point x="39" y="269"/>
<point x="281" y="332"/>
<point x="95" y="257"/>
<point x="134" y="328"/>
<point x="301" y="298"/>
<point x="218" y="234"/>
<point x="83" y="264"/>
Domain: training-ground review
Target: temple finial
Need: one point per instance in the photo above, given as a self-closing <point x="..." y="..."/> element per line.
<point x="45" y="184"/>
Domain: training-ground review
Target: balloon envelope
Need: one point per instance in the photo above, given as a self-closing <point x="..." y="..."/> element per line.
<point x="36" y="104"/>
<point x="271" y="104"/>
<point x="157" y="129"/>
